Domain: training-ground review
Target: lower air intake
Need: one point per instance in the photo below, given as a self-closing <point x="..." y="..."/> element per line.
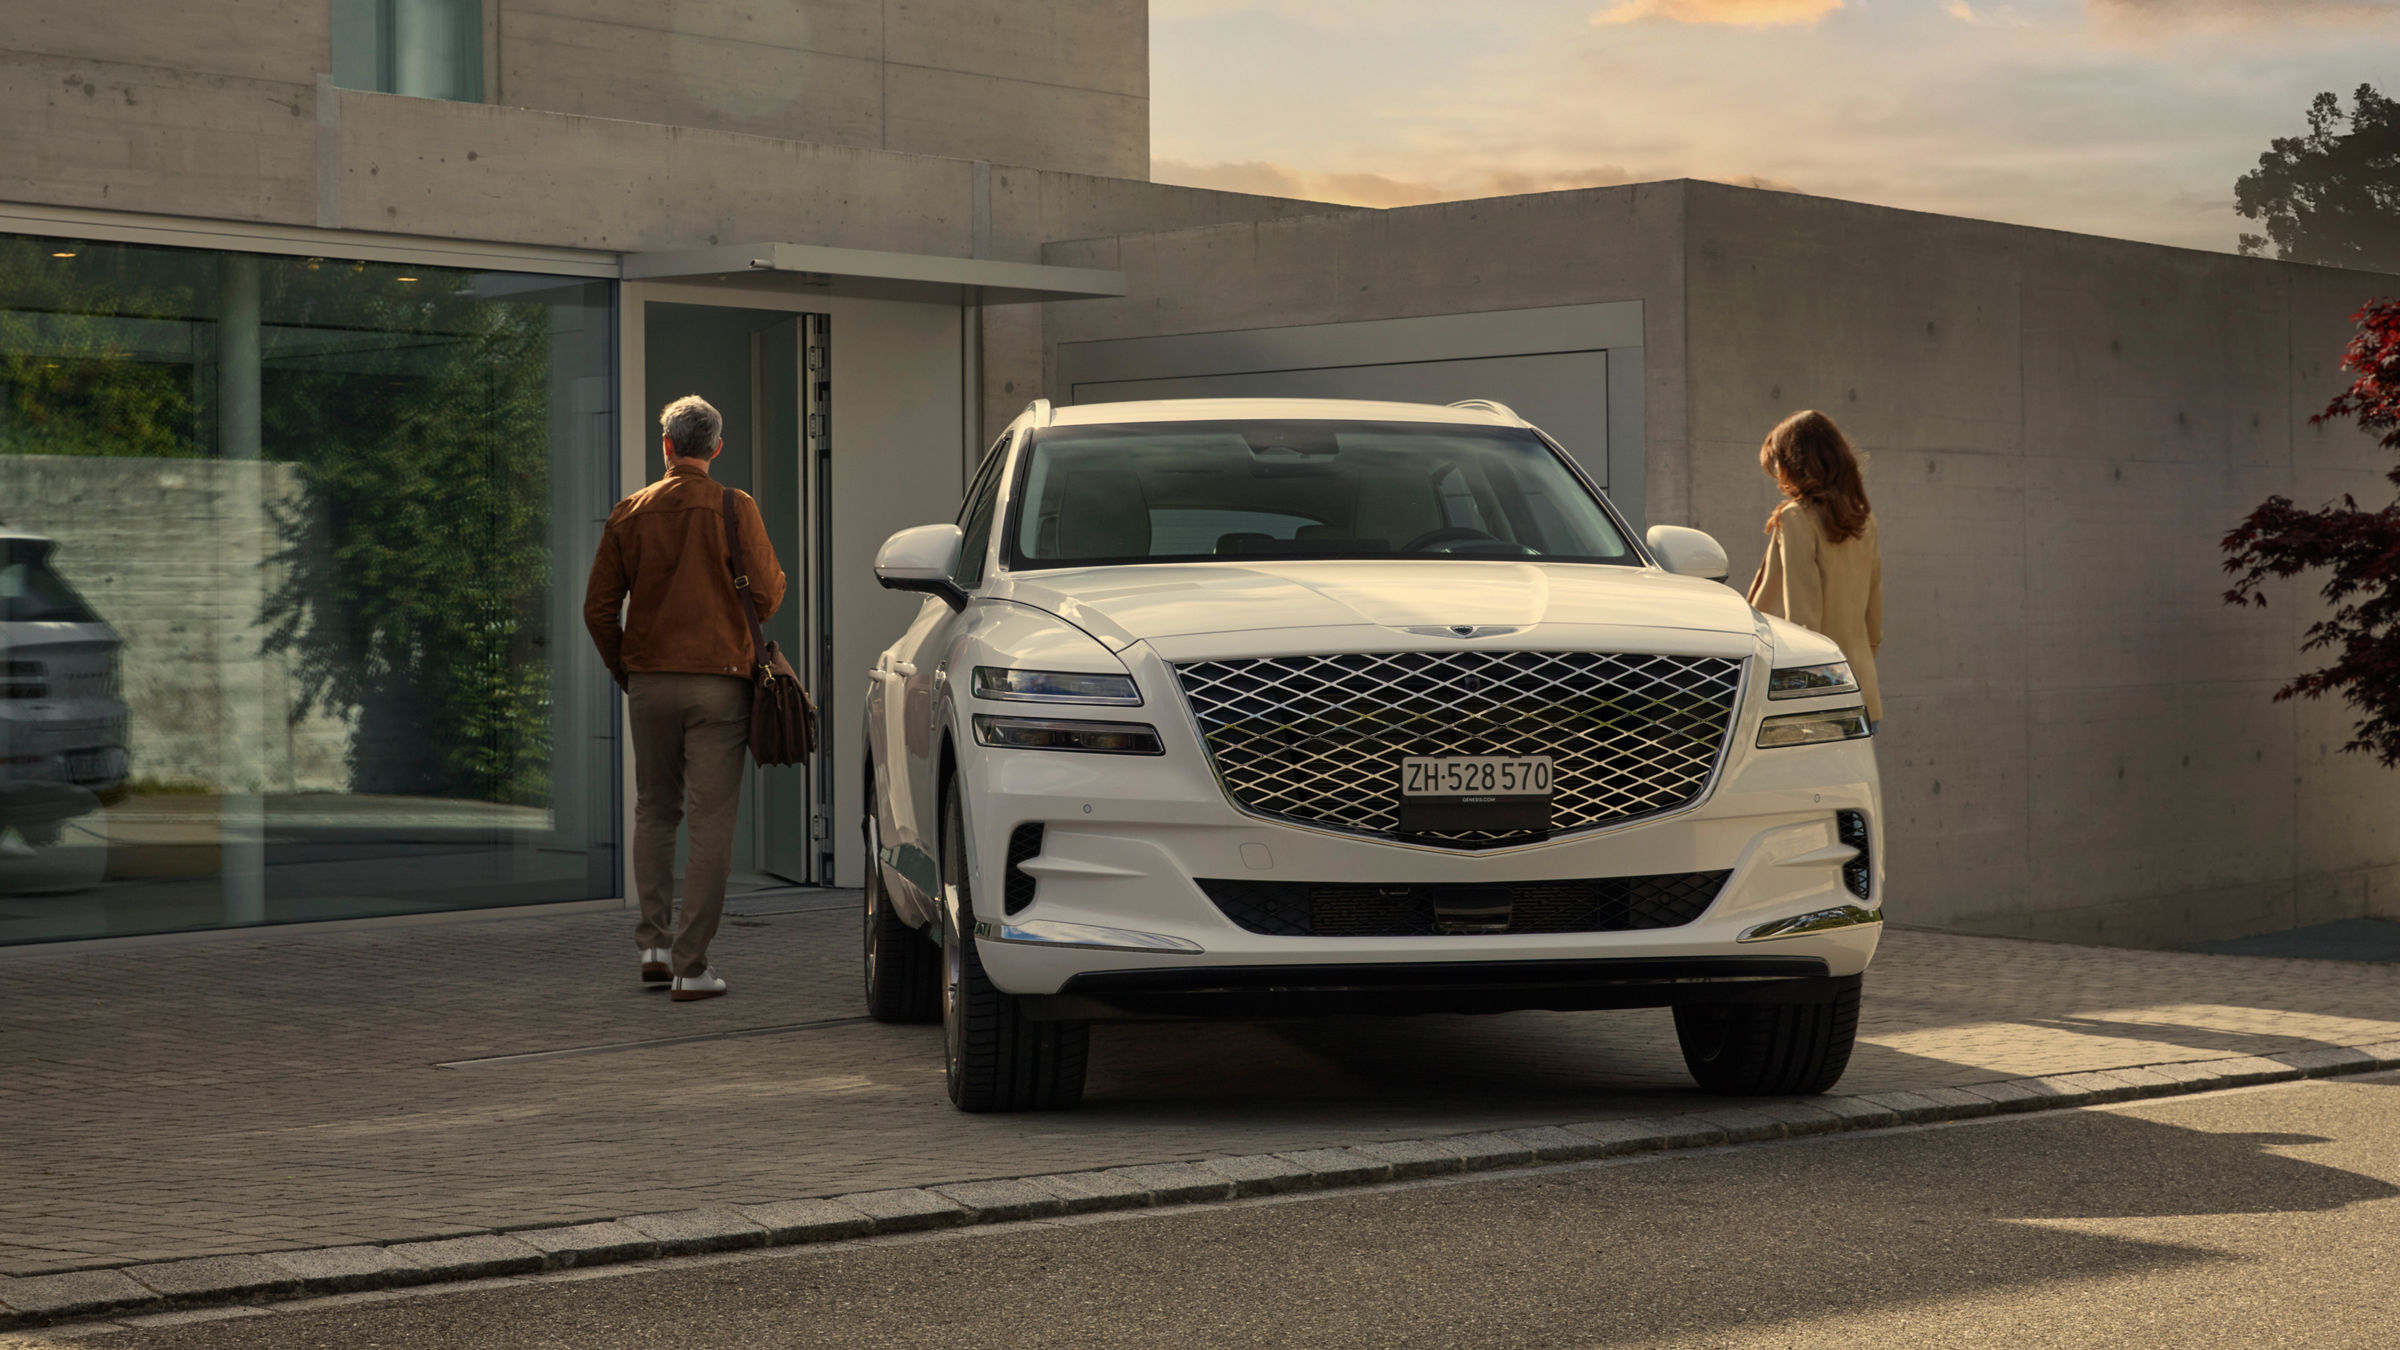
<point x="1348" y="909"/>
<point x="1858" y="873"/>
<point x="1016" y="884"/>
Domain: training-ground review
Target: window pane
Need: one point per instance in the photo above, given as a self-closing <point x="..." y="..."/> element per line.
<point x="358" y="45"/>
<point x="437" y="49"/>
<point x="423" y="48"/>
<point x="309" y="536"/>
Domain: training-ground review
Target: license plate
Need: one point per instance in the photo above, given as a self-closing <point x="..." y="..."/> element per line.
<point x="1442" y="793"/>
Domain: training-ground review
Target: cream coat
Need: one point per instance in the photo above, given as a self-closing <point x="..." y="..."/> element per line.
<point x="1836" y="589"/>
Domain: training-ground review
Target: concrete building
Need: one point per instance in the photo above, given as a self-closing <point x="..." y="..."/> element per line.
<point x="450" y="256"/>
<point x="2081" y="741"/>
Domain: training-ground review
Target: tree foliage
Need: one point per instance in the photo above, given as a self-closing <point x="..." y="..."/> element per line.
<point x="418" y="571"/>
<point x="2358" y="547"/>
<point x="2333" y="195"/>
<point x="72" y="377"/>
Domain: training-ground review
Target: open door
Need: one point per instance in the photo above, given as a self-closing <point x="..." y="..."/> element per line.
<point x="765" y="370"/>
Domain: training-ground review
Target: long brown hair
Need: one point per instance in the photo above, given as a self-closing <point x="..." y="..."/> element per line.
<point x="1813" y="462"/>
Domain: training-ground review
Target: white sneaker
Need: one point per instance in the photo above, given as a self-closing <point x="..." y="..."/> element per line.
<point x="706" y="984"/>
<point x="655" y="969"/>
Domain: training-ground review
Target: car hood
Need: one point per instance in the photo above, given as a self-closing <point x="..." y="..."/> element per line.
<point x="1125" y="605"/>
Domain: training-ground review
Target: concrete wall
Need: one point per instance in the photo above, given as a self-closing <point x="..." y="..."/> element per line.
<point x="1335" y="266"/>
<point x="209" y="108"/>
<point x="2081" y="741"/>
<point x="176" y="555"/>
<point x="1064" y="84"/>
<point x="205" y="109"/>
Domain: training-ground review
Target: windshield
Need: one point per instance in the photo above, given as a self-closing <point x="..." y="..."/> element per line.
<point x="1203" y="491"/>
<point x="31" y="593"/>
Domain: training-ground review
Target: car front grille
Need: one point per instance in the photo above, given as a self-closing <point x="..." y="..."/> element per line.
<point x="1319" y="739"/>
<point x="1345" y="909"/>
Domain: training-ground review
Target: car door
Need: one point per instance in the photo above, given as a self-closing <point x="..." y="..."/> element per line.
<point x="912" y="677"/>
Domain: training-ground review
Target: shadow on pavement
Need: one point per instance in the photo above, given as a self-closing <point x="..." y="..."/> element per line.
<point x="1704" y="1249"/>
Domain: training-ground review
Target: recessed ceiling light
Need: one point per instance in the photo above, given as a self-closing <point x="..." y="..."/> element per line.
<point x="67" y="254"/>
<point x="406" y="278"/>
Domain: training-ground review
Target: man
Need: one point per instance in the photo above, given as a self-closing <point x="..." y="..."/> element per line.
<point x="683" y="657"/>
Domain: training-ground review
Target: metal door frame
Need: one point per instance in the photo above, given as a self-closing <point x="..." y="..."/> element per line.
<point x="811" y="568"/>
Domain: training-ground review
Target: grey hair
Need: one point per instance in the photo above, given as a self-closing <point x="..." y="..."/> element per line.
<point x="692" y="426"/>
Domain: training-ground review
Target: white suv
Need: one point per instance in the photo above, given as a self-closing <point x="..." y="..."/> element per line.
<point x="1269" y="708"/>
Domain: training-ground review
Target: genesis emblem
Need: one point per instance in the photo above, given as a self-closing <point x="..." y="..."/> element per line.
<point x="1467" y="630"/>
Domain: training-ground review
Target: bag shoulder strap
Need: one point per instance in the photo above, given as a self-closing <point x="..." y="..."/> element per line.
<point x="741" y="579"/>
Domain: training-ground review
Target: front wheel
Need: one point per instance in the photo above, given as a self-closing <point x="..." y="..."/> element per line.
<point x="1769" y="1049"/>
<point x="996" y="1058"/>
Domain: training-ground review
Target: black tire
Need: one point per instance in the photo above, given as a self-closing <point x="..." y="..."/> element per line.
<point x="903" y="967"/>
<point x="1769" y="1049"/>
<point x="996" y="1058"/>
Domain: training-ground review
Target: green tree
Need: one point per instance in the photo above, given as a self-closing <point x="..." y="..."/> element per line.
<point x="420" y="566"/>
<point x="80" y="340"/>
<point x="414" y="403"/>
<point x="2333" y="195"/>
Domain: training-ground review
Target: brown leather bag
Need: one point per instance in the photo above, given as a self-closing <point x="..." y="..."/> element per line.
<point x="783" y="719"/>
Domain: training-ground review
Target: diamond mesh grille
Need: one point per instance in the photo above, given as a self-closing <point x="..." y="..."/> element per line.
<point x="1345" y="909"/>
<point x="1319" y="739"/>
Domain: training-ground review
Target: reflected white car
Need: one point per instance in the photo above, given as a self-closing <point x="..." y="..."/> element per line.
<point x="1269" y="708"/>
<point x="62" y="721"/>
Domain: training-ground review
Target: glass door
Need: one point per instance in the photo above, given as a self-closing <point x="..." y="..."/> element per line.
<point x="749" y="363"/>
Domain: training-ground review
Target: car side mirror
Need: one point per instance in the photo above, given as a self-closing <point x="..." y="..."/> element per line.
<point x="1687" y="552"/>
<point x="922" y="558"/>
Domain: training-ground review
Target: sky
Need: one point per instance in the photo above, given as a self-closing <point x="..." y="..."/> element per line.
<point x="2129" y="118"/>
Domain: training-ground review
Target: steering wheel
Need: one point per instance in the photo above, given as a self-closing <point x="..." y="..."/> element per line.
<point x="1448" y="534"/>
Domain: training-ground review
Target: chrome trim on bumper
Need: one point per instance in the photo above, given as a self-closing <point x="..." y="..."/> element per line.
<point x="1816" y="921"/>
<point x="1052" y="933"/>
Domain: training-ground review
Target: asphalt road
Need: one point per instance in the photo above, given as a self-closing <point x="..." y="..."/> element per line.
<point x="2258" y="1218"/>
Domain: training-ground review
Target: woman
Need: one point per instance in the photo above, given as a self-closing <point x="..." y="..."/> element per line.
<point x="1823" y="570"/>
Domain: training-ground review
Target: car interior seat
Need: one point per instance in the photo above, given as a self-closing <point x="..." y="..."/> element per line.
<point x="1103" y="513"/>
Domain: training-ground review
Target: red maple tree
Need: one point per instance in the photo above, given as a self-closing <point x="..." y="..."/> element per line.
<point x="2360" y="548"/>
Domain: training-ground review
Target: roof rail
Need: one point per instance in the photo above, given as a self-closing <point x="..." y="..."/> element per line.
<point x="1039" y="410"/>
<point x="1490" y="406"/>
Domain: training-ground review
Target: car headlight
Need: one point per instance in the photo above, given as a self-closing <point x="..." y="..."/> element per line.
<point x="1812" y="681"/>
<point x="1042" y="733"/>
<point x="1054" y="686"/>
<point x="1813" y="728"/>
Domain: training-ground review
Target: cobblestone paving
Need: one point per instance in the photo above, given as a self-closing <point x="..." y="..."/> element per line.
<point x="306" y="1089"/>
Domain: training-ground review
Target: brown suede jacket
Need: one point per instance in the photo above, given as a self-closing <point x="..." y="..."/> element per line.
<point x="665" y="547"/>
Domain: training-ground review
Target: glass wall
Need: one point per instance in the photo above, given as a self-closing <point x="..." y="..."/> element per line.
<point x="291" y="564"/>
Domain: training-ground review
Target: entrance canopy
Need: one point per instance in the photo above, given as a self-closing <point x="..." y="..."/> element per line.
<point x="866" y="273"/>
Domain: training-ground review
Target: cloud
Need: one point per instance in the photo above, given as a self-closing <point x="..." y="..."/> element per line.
<point x="2160" y="16"/>
<point x="1268" y="179"/>
<point x="1994" y="16"/>
<point x="1737" y="13"/>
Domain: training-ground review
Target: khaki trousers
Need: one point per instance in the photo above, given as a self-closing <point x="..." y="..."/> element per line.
<point x="691" y="735"/>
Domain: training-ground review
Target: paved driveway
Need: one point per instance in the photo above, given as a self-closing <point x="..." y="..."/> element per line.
<point x="305" y="1089"/>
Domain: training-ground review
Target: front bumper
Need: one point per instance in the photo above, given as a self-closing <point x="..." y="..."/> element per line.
<point x="1118" y="924"/>
<point x="1386" y="988"/>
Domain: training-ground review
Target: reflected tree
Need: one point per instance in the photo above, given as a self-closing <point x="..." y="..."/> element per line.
<point x="95" y="355"/>
<point x="417" y="570"/>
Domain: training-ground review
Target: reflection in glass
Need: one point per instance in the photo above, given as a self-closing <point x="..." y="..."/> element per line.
<point x="283" y="634"/>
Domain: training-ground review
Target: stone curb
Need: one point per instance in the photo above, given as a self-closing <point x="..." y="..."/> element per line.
<point x="135" y="1290"/>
